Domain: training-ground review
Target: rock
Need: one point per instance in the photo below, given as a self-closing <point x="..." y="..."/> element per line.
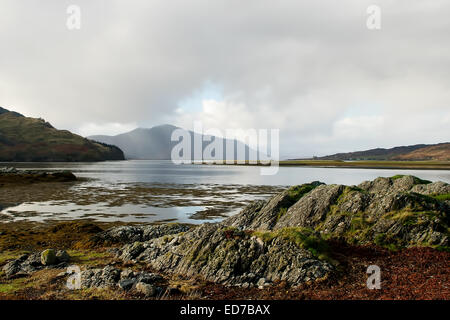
<point x="148" y="278"/>
<point x="11" y="268"/>
<point x="8" y="170"/>
<point x="133" y="250"/>
<point x="127" y="274"/>
<point x="126" y="284"/>
<point x="261" y="282"/>
<point x="312" y="208"/>
<point x="63" y="176"/>
<point x="225" y="255"/>
<point x="100" y="278"/>
<point x="48" y="257"/>
<point x="62" y="256"/>
<point x="146" y="289"/>
<point x="263" y="215"/>
<point x="360" y="213"/>
<point x="131" y="234"/>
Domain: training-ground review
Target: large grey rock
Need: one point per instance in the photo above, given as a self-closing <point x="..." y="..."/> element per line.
<point x="227" y="256"/>
<point x="386" y="210"/>
<point x="62" y="256"/>
<point x="100" y="278"/>
<point x="312" y="208"/>
<point x="12" y="268"/>
<point x="131" y="234"/>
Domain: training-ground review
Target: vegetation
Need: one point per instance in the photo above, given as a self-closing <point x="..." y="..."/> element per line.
<point x="370" y="164"/>
<point x="441" y="197"/>
<point x="30" y="139"/>
<point x="303" y="237"/>
<point x="416" y="179"/>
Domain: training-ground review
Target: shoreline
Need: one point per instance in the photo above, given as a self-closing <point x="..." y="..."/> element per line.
<point x="332" y="164"/>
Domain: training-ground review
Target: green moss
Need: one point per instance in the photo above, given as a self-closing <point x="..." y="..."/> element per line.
<point x="281" y="213"/>
<point x="416" y="179"/>
<point x="297" y="192"/>
<point x="442" y="248"/>
<point x="303" y="237"/>
<point x="89" y="257"/>
<point x="407" y="217"/>
<point x="441" y="197"/>
<point x="13" y="285"/>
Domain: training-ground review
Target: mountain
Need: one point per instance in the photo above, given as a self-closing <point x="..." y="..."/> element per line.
<point x="416" y="152"/>
<point x="155" y="143"/>
<point x="31" y="139"/>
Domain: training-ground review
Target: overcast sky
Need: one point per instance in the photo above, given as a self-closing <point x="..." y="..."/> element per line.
<point x="310" y="68"/>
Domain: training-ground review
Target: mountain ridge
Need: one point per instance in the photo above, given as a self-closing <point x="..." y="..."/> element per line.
<point x="155" y="143"/>
<point x="417" y="152"/>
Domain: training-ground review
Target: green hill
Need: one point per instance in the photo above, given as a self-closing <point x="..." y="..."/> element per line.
<point x="31" y="139"/>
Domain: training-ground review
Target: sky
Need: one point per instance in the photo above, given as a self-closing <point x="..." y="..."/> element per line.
<point x="312" y="69"/>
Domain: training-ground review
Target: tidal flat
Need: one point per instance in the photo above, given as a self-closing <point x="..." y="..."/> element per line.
<point x="124" y="252"/>
<point x="89" y="200"/>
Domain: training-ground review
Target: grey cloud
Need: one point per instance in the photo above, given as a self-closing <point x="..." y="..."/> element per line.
<point x="297" y="65"/>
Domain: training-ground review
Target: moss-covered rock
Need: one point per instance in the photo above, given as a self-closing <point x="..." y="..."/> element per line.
<point x="48" y="257"/>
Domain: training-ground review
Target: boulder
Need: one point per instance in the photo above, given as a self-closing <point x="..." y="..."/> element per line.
<point x="62" y="256"/>
<point x="48" y="257"/>
<point x="146" y="289"/>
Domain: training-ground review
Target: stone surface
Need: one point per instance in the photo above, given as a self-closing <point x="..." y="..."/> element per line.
<point x="127" y="234"/>
<point x="146" y="289"/>
<point x="48" y="257"/>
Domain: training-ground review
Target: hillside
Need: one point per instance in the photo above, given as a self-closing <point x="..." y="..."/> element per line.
<point x="30" y="139"/>
<point x="436" y="152"/>
<point x="155" y="143"/>
<point x="417" y="152"/>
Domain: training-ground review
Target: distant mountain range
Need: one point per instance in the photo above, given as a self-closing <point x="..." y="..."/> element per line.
<point x="155" y="143"/>
<point x="31" y="139"/>
<point x="416" y="152"/>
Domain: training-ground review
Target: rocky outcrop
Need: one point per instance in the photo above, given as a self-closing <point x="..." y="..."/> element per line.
<point x="283" y="238"/>
<point x="129" y="234"/>
<point x="226" y="255"/>
<point x="398" y="211"/>
<point x="13" y="175"/>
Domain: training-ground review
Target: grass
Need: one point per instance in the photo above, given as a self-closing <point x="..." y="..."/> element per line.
<point x="9" y="255"/>
<point x="441" y="197"/>
<point x="416" y="179"/>
<point x="297" y="192"/>
<point x="89" y="257"/>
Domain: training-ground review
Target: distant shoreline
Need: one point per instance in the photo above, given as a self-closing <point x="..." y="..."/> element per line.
<point x="363" y="164"/>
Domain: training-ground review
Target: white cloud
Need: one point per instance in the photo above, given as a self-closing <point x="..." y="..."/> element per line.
<point x="90" y="129"/>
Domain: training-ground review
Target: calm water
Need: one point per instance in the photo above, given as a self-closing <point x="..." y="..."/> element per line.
<point x="168" y="192"/>
<point x="112" y="172"/>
